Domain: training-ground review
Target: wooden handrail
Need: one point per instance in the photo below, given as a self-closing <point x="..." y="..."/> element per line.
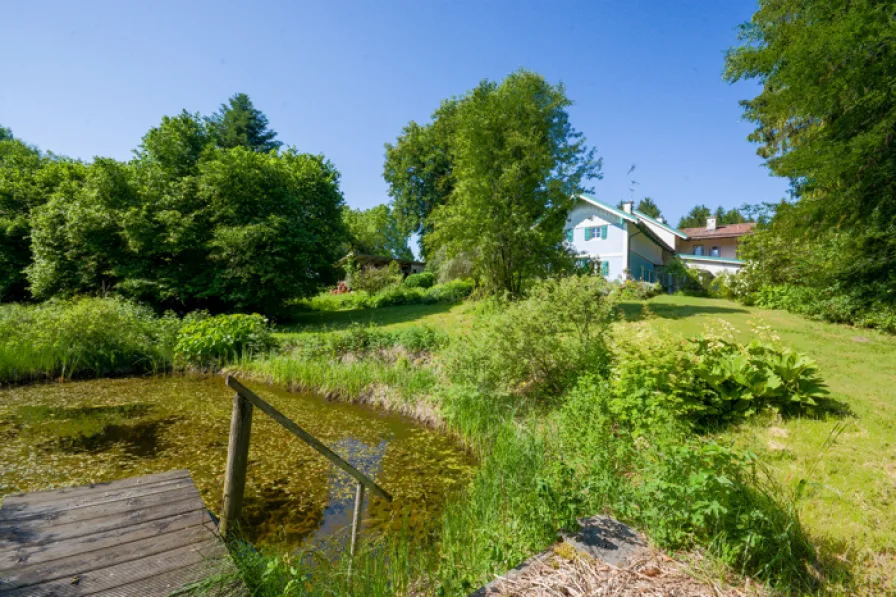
<point x="238" y="450"/>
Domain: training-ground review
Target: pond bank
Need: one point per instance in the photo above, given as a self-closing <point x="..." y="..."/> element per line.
<point x="81" y="432"/>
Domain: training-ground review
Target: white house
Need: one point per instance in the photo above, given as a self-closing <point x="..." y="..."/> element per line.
<point x="711" y="249"/>
<point x="618" y="241"/>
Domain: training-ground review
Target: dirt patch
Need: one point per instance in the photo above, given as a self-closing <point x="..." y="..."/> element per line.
<point x="653" y="575"/>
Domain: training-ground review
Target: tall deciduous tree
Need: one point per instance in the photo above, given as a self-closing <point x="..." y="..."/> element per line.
<point x="825" y="119"/>
<point x="419" y="169"/>
<point x="239" y="124"/>
<point x="516" y="163"/>
<point x="375" y="231"/>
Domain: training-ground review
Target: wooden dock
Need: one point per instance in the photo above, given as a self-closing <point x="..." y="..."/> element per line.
<point x="148" y="536"/>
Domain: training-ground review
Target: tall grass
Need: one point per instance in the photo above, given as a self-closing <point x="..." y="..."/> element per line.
<point x="83" y="337"/>
<point x="348" y="379"/>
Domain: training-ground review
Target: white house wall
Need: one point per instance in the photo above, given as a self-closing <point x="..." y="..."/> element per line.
<point x="667" y="237"/>
<point x="612" y="249"/>
<point x="645" y="247"/>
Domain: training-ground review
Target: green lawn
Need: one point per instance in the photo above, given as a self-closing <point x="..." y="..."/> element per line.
<point x="850" y="502"/>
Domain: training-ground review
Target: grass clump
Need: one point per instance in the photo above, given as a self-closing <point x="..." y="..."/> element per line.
<point x="86" y="337"/>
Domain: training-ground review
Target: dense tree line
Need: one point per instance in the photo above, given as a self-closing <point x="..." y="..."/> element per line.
<point x="208" y="214"/>
<point x="696" y="218"/>
<point x="490" y="177"/>
<point x="826" y="120"/>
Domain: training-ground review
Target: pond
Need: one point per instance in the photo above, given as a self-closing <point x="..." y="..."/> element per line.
<point x="54" y="435"/>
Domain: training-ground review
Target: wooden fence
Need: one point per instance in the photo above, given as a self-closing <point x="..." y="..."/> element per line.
<point x="244" y="402"/>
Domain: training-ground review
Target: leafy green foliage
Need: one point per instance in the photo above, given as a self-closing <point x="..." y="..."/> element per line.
<point x="375" y="231"/>
<point x="489" y="179"/>
<point x="649" y="207"/>
<point x="375" y="279"/>
<point x="27" y="180"/>
<point x="421" y="280"/>
<point x="824" y="120"/>
<point x="707" y="381"/>
<point x="210" y="342"/>
<point x="696" y="218"/>
<point x="362" y="340"/>
<point x="189" y="226"/>
<point x="683" y="490"/>
<point x="450" y="292"/>
<point x="84" y="337"/>
<point x="516" y="163"/>
<point x="185" y="225"/>
<point x="537" y="347"/>
<point x="419" y="170"/>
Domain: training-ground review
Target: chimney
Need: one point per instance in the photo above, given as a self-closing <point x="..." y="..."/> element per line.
<point x="710" y="223"/>
<point x="661" y="219"/>
<point x="627" y="206"/>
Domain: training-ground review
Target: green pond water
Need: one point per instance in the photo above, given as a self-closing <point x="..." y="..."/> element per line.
<point x="62" y="434"/>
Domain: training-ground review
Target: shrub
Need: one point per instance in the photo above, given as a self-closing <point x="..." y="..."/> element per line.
<point x="422" y="280"/>
<point x="539" y="345"/>
<point x="213" y="341"/>
<point x="450" y="292"/>
<point x="375" y="279"/>
<point x="705" y="381"/>
<point x="684" y="490"/>
<point x="637" y="290"/>
<point x="86" y="336"/>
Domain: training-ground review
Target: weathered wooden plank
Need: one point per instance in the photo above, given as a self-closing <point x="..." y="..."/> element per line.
<point x="105" y="509"/>
<point x="121" y="575"/>
<point x="306" y="437"/>
<point x="38" y="532"/>
<point x="77" y="565"/>
<point x="217" y="578"/>
<point x="36" y="554"/>
<point x="64" y="492"/>
<point x="11" y="513"/>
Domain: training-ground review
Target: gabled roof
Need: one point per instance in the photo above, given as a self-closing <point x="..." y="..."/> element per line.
<point x="674" y="231"/>
<point x="605" y="206"/>
<point x="725" y="231"/>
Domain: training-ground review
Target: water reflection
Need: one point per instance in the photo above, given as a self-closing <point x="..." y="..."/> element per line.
<point x="75" y="433"/>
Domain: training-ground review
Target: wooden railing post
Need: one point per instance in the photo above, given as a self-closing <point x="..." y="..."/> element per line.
<point x="237" y="461"/>
<point x="356" y="516"/>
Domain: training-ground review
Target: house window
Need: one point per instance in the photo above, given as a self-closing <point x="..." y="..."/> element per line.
<point x="596" y="232"/>
<point x="605" y="268"/>
<point x="698" y="250"/>
<point x="569" y="235"/>
<point x="716" y="252"/>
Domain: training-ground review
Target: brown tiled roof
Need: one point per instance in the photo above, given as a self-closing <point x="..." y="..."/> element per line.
<point x="727" y="230"/>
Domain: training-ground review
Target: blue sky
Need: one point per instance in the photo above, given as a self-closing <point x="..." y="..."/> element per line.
<point x="341" y="78"/>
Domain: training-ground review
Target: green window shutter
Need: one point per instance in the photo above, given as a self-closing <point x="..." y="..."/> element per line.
<point x="587" y="233"/>
<point x="603" y="231"/>
<point x="605" y="268"/>
<point x="569" y="235"/>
